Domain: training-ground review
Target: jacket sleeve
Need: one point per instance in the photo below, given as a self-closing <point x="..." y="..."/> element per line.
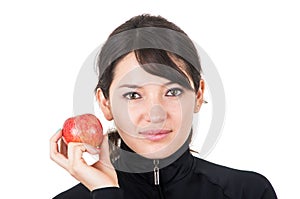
<point x="107" y="193"/>
<point x="269" y="193"/>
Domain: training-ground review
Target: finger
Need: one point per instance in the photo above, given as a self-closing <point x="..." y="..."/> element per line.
<point x="75" y="151"/>
<point x="104" y="153"/>
<point x="55" y="155"/>
<point x="56" y="136"/>
<point x="91" y="149"/>
<point x="104" y="162"/>
<point x="63" y="148"/>
<point x="53" y="142"/>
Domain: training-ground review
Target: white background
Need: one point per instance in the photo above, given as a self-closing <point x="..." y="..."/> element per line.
<point x="254" y="45"/>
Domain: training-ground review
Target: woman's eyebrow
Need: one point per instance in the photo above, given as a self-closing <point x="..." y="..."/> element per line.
<point x="169" y="83"/>
<point x="129" y="86"/>
<point x="137" y="86"/>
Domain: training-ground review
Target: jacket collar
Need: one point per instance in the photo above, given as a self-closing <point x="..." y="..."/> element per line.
<point x="141" y="170"/>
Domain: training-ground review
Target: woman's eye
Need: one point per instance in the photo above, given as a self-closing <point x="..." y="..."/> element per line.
<point x="174" y="92"/>
<point x="132" y="96"/>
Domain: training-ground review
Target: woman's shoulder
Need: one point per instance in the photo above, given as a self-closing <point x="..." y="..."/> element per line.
<point x="217" y="172"/>
<point x="234" y="181"/>
<point x="77" y="191"/>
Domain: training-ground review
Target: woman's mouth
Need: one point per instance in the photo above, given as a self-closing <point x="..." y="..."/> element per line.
<point x="155" y="135"/>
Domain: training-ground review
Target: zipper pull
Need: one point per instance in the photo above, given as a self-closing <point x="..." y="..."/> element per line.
<point x="156" y="172"/>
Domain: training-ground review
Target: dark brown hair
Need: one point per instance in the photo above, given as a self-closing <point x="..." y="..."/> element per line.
<point x="146" y="57"/>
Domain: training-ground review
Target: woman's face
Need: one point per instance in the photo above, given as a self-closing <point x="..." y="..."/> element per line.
<point x="152" y="114"/>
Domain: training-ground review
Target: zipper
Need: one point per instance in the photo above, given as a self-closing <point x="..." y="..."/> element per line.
<point x="156" y="179"/>
<point x="156" y="172"/>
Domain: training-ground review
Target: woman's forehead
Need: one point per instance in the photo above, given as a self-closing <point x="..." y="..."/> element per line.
<point x="126" y="64"/>
<point x="129" y="71"/>
<point x="139" y="77"/>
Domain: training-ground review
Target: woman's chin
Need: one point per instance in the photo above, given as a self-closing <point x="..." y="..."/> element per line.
<point x="155" y="147"/>
<point x="156" y="150"/>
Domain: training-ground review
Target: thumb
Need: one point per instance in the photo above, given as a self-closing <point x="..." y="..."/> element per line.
<point x="104" y="155"/>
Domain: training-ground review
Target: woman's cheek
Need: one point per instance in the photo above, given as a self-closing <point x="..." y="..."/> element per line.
<point x="136" y="115"/>
<point x="187" y="116"/>
<point x="122" y="118"/>
<point x="127" y="116"/>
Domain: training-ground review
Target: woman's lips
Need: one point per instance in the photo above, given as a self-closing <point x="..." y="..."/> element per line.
<point x="155" y="135"/>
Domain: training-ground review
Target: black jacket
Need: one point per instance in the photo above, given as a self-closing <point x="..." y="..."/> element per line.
<point x="186" y="178"/>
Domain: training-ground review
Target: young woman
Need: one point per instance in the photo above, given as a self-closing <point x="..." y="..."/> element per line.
<point x="150" y="84"/>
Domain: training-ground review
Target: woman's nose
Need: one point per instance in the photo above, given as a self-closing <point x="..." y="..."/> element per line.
<point x="157" y="114"/>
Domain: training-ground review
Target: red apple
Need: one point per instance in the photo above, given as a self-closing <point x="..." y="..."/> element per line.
<point x="84" y="128"/>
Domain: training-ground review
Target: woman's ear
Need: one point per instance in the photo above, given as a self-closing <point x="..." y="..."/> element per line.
<point x="104" y="104"/>
<point x="199" y="96"/>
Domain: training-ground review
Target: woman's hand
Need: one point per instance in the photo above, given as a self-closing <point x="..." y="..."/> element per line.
<point x="99" y="175"/>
